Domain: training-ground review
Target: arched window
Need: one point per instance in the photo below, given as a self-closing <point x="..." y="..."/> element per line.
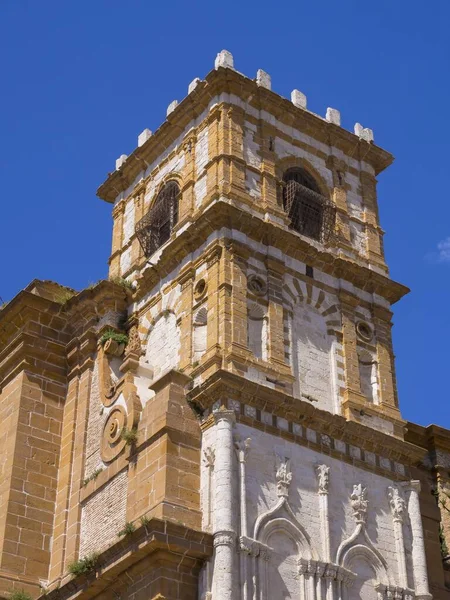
<point x="310" y="213"/>
<point x="154" y="229"/>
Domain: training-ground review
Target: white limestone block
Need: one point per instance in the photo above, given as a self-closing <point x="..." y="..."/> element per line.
<point x="367" y="134"/>
<point x="172" y="106"/>
<point x="224" y="59"/>
<point x="144" y="136"/>
<point x="194" y="83"/>
<point x="358" y="129"/>
<point x="298" y="99"/>
<point x="120" y="161"/>
<point x="333" y="116"/>
<point x="263" y="79"/>
<point x="363" y="132"/>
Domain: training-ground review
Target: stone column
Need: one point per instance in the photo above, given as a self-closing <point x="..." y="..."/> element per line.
<point x="323" y="476"/>
<point x="242" y="448"/>
<point x="418" y="545"/>
<point x="224" y="575"/>
<point x="398" y="507"/>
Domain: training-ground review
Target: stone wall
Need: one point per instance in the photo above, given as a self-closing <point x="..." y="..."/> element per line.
<point x="103" y="515"/>
<point x="293" y="509"/>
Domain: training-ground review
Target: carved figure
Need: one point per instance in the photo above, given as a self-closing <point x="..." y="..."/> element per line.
<point x="284" y="478"/>
<point x="359" y="502"/>
<point x="323" y="475"/>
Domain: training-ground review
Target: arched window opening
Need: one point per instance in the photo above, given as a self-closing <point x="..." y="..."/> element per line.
<point x="310" y="213"/>
<point x="154" y="229"/>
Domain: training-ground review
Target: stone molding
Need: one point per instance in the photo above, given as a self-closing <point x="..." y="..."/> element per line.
<point x="302" y="423"/>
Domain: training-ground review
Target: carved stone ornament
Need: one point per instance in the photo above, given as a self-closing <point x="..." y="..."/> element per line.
<point x="134" y="342"/>
<point x="242" y="448"/>
<point x="251" y="547"/>
<point x="224" y="538"/>
<point x="112" y="442"/>
<point x="257" y="285"/>
<point x="283" y="477"/>
<point x="359" y="502"/>
<point x="113" y="348"/>
<point x="323" y="476"/>
<point x="397" y="504"/>
<point x="209" y="455"/>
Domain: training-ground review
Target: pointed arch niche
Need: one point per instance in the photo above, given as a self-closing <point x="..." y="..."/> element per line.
<point x="284" y="544"/>
<point x="314" y="322"/>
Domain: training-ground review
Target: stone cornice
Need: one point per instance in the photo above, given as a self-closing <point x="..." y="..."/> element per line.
<point x="223" y="386"/>
<point x="41" y="335"/>
<point x="230" y="81"/>
<point x="432" y="437"/>
<point x="224" y="214"/>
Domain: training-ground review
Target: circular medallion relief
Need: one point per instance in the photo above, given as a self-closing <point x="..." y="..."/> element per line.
<point x="200" y="289"/>
<point x="256" y="285"/>
<point x="364" y="330"/>
<point x="112" y="443"/>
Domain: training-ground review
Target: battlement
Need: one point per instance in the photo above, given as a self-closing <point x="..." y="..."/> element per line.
<point x="258" y="90"/>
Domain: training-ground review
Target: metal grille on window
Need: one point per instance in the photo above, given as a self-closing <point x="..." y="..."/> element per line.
<point x="154" y="229"/>
<point x="310" y="213"/>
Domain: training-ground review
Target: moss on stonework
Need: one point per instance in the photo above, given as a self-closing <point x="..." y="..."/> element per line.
<point x="19" y="595"/>
<point x="122" y="282"/>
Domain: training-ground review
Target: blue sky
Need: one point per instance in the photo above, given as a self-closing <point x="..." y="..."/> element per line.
<point x="80" y="80"/>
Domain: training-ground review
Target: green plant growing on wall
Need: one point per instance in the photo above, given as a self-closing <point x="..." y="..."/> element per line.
<point x="19" y="595"/>
<point x="92" y="476"/>
<point x="129" y="435"/>
<point x="122" y="282"/>
<point x="128" y="529"/>
<point x="63" y="297"/>
<point x="86" y="564"/>
<point x="110" y="334"/>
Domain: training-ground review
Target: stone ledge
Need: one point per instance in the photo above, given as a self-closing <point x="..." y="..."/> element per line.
<point x="155" y="538"/>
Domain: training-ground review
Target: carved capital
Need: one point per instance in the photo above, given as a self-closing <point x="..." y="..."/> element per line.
<point x="223" y="414"/>
<point x="242" y="447"/>
<point x="224" y="538"/>
<point x="412" y="486"/>
<point x="252" y="547"/>
<point x="331" y="571"/>
<point x="397" y="504"/>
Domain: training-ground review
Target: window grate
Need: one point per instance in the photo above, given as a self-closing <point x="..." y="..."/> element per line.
<point x="310" y="213"/>
<point x="155" y="228"/>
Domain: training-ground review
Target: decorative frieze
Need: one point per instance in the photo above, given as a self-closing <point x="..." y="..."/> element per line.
<point x="306" y="435"/>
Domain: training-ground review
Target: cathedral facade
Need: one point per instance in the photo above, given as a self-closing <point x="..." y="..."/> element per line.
<point x="219" y="419"/>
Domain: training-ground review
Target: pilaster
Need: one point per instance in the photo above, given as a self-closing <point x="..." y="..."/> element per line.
<point x="418" y="546"/>
<point x="275" y="271"/>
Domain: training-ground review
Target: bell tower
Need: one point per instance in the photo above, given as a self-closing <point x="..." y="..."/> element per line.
<point x="285" y="201"/>
<point x="219" y="420"/>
